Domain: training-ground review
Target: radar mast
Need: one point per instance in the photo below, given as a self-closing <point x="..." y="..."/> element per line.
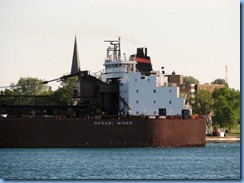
<point x="113" y="51"/>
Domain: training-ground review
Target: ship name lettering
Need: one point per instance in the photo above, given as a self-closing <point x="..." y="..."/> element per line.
<point x="124" y="122"/>
<point x="103" y="123"/>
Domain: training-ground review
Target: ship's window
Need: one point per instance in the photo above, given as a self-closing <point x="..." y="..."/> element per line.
<point x="137" y="112"/>
<point x="154" y="91"/>
<point x="137" y="102"/>
<point x="170" y="91"/>
<point x="135" y="80"/>
<point x="170" y="102"/>
<point x="142" y="77"/>
<point x="137" y="91"/>
<point x="148" y="80"/>
<point x="155" y="112"/>
<point x="121" y="84"/>
<point x="154" y="101"/>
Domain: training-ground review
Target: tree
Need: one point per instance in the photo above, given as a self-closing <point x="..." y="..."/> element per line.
<point x="220" y="82"/>
<point x="226" y="107"/>
<point x="7" y="92"/>
<point x="190" y="80"/>
<point x="29" y="86"/>
<point x="6" y="100"/>
<point x="24" y="86"/>
<point x="65" y="93"/>
<point x="203" y="103"/>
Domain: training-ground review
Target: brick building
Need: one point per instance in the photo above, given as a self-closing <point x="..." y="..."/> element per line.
<point x="174" y="78"/>
<point x="209" y="87"/>
<point x="177" y="80"/>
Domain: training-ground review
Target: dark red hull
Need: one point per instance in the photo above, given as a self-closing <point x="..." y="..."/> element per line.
<point x="75" y="133"/>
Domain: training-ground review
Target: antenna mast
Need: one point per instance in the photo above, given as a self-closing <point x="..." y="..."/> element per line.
<point x="114" y="52"/>
<point x="226" y="74"/>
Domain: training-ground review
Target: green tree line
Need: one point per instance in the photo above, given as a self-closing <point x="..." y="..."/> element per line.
<point x="33" y="86"/>
<point x="224" y="103"/>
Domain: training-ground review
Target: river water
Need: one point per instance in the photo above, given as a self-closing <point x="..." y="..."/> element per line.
<point x="215" y="161"/>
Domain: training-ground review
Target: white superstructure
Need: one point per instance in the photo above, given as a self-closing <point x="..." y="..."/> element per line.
<point x="140" y="93"/>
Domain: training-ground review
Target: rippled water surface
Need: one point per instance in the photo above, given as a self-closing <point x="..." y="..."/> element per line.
<point x="215" y="161"/>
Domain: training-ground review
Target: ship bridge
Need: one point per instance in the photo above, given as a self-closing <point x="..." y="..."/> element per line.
<point x="115" y="67"/>
<point x="119" y="66"/>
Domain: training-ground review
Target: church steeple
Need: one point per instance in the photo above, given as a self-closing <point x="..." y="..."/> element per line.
<point x="76" y="61"/>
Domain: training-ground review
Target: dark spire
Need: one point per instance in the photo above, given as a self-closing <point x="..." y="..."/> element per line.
<point x="76" y="61"/>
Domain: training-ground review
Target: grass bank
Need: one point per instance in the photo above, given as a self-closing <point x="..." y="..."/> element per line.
<point x="235" y="131"/>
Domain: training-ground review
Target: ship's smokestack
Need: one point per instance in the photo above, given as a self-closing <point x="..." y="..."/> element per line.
<point x="143" y="60"/>
<point x="140" y="52"/>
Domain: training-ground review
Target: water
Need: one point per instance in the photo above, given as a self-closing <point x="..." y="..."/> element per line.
<point x="215" y="161"/>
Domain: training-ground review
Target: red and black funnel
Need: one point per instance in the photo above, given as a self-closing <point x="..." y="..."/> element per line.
<point x="143" y="60"/>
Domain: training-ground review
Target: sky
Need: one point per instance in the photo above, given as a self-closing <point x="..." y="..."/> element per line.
<point x="196" y="38"/>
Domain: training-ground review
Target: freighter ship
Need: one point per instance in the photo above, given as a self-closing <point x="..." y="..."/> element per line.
<point x="125" y="105"/>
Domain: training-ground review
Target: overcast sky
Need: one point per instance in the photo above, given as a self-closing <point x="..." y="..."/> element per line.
<point x="191" y="37"/>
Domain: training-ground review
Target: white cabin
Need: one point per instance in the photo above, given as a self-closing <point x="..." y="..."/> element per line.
<point x="140" y="93"/>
